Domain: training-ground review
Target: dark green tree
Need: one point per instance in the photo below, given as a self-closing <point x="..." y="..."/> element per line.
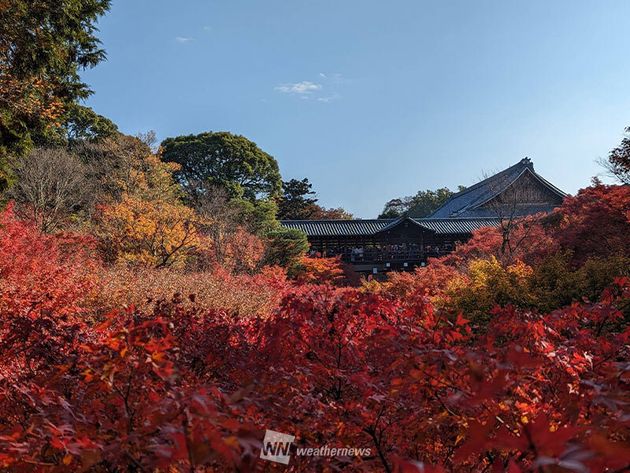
<point x="298" y="201"/>
<point x="396" y="207"/>
<point x="285" y="247"/>
<point x="423" y="204"/>
<point x="225" y="160"/>
<point x="84" y="124"/>
<point x="43" y="46"/>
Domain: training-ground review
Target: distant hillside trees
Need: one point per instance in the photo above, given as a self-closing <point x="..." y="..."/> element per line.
<point x="332" y="213"/>
<point x="423" y="204"/>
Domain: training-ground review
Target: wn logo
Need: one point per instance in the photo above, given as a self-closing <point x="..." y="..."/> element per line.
<point x="276" y="447"/>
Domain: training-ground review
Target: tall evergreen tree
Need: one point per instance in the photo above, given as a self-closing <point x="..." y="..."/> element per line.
<point x="298" y="201"/>
<point x="43" y="46"/>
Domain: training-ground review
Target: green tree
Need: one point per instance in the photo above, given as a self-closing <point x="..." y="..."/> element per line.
<point x="298" y="201"/>
<point x="286" y="247"/>
<point x="258" y="217"/>
<point x="227" y="215"/>
<point x="422" y="204"/>
<point x="225" y="160"/>
<point x="84" y="124"/>
<point x="43" y="46"/>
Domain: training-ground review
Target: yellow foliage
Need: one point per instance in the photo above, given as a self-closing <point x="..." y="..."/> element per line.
<point x="149" y="178"/>
<point x="487" y="283"/>
<point x="148" y="232"/>
<point x="487" y="272"/>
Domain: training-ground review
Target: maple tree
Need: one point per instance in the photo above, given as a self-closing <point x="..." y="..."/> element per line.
<point x="320" y="270"/>
<point x="404" y="379"/>
<point x="594" y="222"/>
<point x="471" y="364"/>
<point x="150" y="233"/>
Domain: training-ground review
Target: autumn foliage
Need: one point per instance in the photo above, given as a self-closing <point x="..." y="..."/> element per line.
<point x="148" y="232"/>
<point x="318" y="270"/>
<point x="155" y="316"/>
<point x="481" y="361"/>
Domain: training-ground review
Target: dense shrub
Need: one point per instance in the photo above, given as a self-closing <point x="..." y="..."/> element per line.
<point x="143" y="288"/>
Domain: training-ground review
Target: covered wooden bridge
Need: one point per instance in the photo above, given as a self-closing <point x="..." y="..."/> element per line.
<point x="382" y="245"/>
<point x="387" y="244"/>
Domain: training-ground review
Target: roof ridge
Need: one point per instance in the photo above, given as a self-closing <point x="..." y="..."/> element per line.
<point x="496" y="192"/>
<point x="504" y="175"/>
<point x="523" y="162"/>
<point x="454" y="218"/>
<point x="337" y="220"/>
<point x="546" y="182"/>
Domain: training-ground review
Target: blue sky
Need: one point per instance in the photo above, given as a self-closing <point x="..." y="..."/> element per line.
<point x="372" y="100"/>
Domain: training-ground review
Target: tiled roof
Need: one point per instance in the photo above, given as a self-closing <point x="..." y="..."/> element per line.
<point x="463" y="213"/>
<point x="337" y="227"/>
<point x="441" y="226"/>
<point x="445" y="226"/>
<point x="519" y="211"/>
<point x="467" y="203"/>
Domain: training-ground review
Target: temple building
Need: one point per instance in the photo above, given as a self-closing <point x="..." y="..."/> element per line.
<point x="381" y="245"/>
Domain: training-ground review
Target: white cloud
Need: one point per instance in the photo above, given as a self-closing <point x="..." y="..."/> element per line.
<point x="325" y="90"/>
<point x="329" y="98"/>
<point x="184" y="39"/>
<point x="299" y="88"/>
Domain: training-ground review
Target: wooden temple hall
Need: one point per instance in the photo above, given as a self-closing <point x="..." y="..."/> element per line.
<point x="382" y="245"/>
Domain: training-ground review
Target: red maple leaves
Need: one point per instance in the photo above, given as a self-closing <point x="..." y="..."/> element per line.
<point x="185" y="388"/>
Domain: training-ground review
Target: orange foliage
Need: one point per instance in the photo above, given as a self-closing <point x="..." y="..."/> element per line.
<point x="236" y="251"/>
<point x="30" y="99"/>
<point x="148" y="233"/>
<point x="429" y="281"/>
<point x="321" y="271"/>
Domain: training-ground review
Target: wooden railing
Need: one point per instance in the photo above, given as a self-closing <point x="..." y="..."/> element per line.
<point x="383" y="255"/>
